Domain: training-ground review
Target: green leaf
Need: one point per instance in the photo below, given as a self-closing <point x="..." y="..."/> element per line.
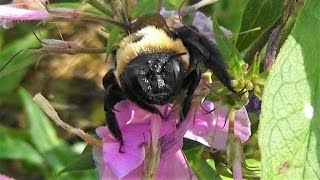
<point x="41" y="130"/>
<point x="203" y="168"/>
<point x="224" y="43"/>
<point x="14" y="146"/>
<point x="8" y="79"/>
<point x="258" y="13"/>
<point x="44" y="136"/>
<point x="83" y="162"/>
<point x="145" y="7"/>
<point x="114" y="34"/>
<point x="289" y="128"/>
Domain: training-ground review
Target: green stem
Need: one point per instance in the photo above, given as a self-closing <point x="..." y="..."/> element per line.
<point x="117" y="4"/>
<point x="100" y="7"/>
<point x="92" y="50"/>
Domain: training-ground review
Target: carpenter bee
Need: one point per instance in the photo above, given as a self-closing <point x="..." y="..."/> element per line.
<point x="155" y="65"/>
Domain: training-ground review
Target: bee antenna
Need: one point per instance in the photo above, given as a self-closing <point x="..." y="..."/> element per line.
<point x="7" y="63"/>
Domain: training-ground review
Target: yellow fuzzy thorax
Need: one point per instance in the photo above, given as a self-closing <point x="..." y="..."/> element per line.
<point x="147" y="40"/>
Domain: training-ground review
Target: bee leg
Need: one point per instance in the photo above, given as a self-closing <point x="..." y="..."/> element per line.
<point x="190" y="84"/>
<point x="113" y="95"/>
<point x="201" y="48"/>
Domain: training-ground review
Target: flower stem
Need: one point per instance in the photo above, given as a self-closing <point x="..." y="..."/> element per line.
<point x="117" y="4"/>
<point x="153" y="151"/>
<point x="100" y="7"/>
<point x="49" y="110"/>
<point x="75" y="14"/>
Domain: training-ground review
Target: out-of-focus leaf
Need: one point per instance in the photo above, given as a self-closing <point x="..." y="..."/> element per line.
<point x="258" y="13"/>
<point x="44" y="136"/>
<point x="83" y="162"/>
<point x="289" y="127"/>
<point x="11" y="76"/>
<point x="145" y="7"/>
<point x="228" y="12"/>
<point x="41" y="130"/>
<point x="12" y="146"/>
<point x="203" y="168"/>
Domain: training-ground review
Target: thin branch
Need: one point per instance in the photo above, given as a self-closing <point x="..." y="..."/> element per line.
<point x="100" y="7"/>
<point x="118" y="6"/>
<point x="49" y="110"/>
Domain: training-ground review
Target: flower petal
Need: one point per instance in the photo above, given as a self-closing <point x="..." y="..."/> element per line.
<point x="122" y="164"/>
<point x="103" y="169"/>
<point x="3" y="177"/>
<point x="242" y="125"/>
<point x="127" y="112"/>
<point x="175" y="168"/>
<point x="204" y="24"/>
<point x="203" y="122"/>
<point x="209" y="129"/>
<point x="8" y="13"/>
<point x="212" y="129"/>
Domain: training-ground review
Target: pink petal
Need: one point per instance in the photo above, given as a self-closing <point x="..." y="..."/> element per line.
<point x="128" y="112"/>
<point x="3" y="177"/>
<point x="103" y="169"/>
<point x="212" y="129"/>
<point x="175" y="168"/>
<point x="242" y="125"/>
<point x="204" y="24"/>
<point x="105" y="134"/>
<point x="209" y="128"/>
<point x="8" y="13"/>
<point x="122" y="164"/>
<point x="203" y="122"/>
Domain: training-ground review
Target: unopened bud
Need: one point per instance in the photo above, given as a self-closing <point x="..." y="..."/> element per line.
<point x="54" y="46"/>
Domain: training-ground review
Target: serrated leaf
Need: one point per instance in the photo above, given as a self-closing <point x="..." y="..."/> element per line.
<point x="83" y="162"/>
<point x="203" y="168"/>
<point x="13" y="146"/>
<point x="289" y="127"/>
<point x="258" y="13"/>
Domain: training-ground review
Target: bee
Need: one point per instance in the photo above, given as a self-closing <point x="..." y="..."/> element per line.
<point x="155" y="65"/>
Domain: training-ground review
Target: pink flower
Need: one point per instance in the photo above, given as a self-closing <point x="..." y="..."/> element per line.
<point x="135" y="124"/>
<point x="214" y="132"/>
<point x="212" y="129"/>
<point x="3" y="177"/>
<point x="9" y="14"/>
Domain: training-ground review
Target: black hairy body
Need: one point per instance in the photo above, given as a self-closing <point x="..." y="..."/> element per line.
<point x="157" y="68"/>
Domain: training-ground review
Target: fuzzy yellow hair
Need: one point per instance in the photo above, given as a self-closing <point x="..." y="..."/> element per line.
<point x="147" y="40"/>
